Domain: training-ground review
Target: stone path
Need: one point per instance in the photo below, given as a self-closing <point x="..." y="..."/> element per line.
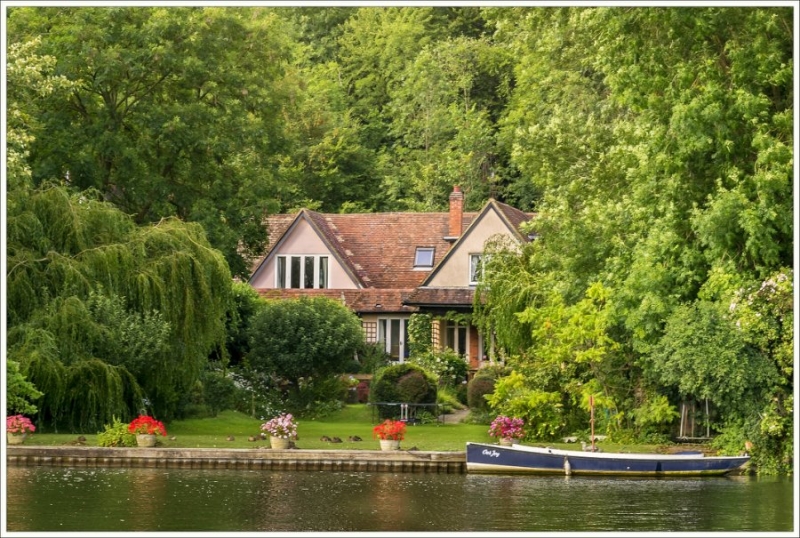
<point x="456" y="416"/>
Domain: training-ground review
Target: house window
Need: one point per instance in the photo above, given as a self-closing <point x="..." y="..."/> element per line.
<point x="455" y="337"/>
<point x="393" y="334"/>
<point x="475" y="268"/>
<point x="301" y="272"/>
<point x="322" y="281"/>
<point x="424" y="257"/>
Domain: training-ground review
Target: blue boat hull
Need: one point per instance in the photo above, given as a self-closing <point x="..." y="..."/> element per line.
<point x="523" y="459"/>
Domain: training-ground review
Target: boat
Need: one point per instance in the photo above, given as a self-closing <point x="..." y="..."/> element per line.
<point x="517" y="458"/>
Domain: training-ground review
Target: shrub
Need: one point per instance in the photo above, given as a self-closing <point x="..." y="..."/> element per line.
<point x="362" y="391"/>
<point x="300" y="339"/>
<point x="480" y="385"/>
<point x="449" y="368"/>
<point x="317" y="396"/>
<point x="372" y="357"/>
<point x="478" y="416"/>
<point x="541" y="411"/>
<point x="412" y="387"/>
<point x="461" y="393"/>
<point x="116" y="435"/>
<point x="256" y="393"/>
<point x="394" y="384"/>
<point x="505" y="427"/>
<point x="448" y="400"/>
<point x="218" y="391"/>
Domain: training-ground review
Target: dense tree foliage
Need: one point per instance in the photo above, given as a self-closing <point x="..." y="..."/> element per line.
<point x="303" y="338"/>
<point x="20" y="393"/>
<point x="104" y="317"/>
<point x="172" y="112"/>
<point x="654" y="143"/>
<point x="102" y="313"/>
<point x="661" y="142"/>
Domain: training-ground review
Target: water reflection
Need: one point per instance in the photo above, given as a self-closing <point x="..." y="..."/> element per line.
<point x="68" y="499"/>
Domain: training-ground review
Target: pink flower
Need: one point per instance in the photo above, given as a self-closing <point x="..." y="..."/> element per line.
<point x="282" y="426"/>
<point x="19" y="424"/>
<point x="507" y="428"/>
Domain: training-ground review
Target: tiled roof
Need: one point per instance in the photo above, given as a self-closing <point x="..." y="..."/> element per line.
<point x="366" y="300"/>
<point x="441" y="296"/>
<point x="379" y="247"/>
<point x="514" y="216"/>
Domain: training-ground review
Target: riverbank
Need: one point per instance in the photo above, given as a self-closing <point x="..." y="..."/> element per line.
<point x="404" y="461"/>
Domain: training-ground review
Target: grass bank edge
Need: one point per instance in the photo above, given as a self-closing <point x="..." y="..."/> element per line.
<point x="232" y="429"/>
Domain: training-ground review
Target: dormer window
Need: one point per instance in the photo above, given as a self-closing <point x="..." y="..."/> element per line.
<point x="424" y="257"/>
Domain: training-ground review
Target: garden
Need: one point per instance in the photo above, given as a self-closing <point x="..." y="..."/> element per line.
<point x="233" y="429"/>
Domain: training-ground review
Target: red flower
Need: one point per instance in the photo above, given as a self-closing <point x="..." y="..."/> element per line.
<point x="390" y="429"/>
<point x="146" y="424"/>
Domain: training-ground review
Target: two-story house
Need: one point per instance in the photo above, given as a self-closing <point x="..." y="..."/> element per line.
<point x="387" y="266"/>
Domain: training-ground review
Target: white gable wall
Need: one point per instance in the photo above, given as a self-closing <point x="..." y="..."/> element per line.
<point x="455" y="271"/>
<point x="302" y="239"/>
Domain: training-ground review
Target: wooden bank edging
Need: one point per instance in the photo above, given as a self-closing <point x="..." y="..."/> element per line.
<point x="240" y="459"/>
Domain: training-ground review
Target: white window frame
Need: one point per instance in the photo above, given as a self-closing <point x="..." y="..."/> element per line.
<point x="473" y="270"/>
<point x="385" y="333"/>
<point x="456" y="327"/>
<point x="286" y="261"/>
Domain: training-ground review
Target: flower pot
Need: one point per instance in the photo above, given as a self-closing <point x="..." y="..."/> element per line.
<point x="16" y="438"/>
<point x="390" y="444"/>
<point x="506" y="441"/>
<point x="278" y="443"/>
<point x="146" y="439"/>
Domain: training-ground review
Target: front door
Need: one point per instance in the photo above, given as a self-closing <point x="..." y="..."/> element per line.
<point x="393" y="333"/>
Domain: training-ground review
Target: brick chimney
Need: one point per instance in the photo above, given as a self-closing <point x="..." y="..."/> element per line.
<point x="456" y="213"/>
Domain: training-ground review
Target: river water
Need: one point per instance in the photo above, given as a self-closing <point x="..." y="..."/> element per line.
<point x="41" y="499"/>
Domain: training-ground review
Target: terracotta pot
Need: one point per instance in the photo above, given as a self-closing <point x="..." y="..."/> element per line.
<point x="146" y="439"/>
<point x="278" y="443"/>
<point x="390" y="444"/>
<point x="506" y="441"/>
<point x="16" y="438"/>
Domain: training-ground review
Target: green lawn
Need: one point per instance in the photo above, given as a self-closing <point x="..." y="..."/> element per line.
<point x="353" y="420"/>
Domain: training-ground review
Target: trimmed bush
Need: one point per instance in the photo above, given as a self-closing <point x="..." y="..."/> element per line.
<point x="402" y="383"/>
<point x="480" y="385"/>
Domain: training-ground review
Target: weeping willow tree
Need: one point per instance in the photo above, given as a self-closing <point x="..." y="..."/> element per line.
<point x="105" y="317"/>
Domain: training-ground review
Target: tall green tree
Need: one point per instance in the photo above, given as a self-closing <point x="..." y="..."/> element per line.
<point x="441" y="119"/>
<point x="173" y="112"/>
<point x="660" y="143"/>
<point x="375" y="46"/>
<point x="102" y="312"/>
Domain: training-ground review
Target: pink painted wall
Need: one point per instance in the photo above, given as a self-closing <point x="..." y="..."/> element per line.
<point x="303" y="240"/>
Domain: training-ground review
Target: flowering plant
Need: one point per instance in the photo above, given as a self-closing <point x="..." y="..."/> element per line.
<point x="282" y="426"/>
<point x="506" y="428"/>
<point x="390" y="429"/>
<point x="19" y="424"/>
<point x="146" y="424"/>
